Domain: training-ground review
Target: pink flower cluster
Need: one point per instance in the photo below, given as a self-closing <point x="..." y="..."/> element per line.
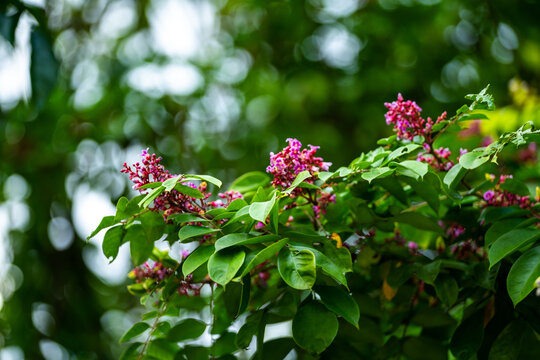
<point x="454" y="231"/>
<point x="147" y="171"/>
<point x="292" y="160"/>
<point x="407" y="120"/>
<point x="227" y="197"/>
<point x="467" y="249"/>
<point x="502" y="198"/>
<point x="439" y="158"/>
<point x="322" y="203"/>
<point x="157" y="272"/>
<point x="188" y="288"/>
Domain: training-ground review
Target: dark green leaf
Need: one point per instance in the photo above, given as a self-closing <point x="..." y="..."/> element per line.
<point x="260" y="210"/>
<point x="424" y="348"/>
<point x="106" y="222"/>
<point x="507" y="346"/>
<point x="376" y="173"/>
<point x="189" y="191"/>
<point x="43" y="67"/>
<point x="417" y="167"/>
<point x="162" y="349"/>
<point x="151" y="196"/>
<point x="139" y="244"/>
<point x="230" y="240"/>
<point x="248" y="330"/>
<point x="341" y="302"/>
<point x="112" y="242"/>
<point x="468" y="336"/>
<point x="510" y="242"/>
<point x="264" y="255"/>
<point x="8" y="24"/>
<point x="499" y="228"/>
<point x="447" y="289"/>
<point x="523" y="274"/>
<point x="186" y="329"/>
<point x="136" y="330"/>
<point x="298" y="180"/>
<point x="454" y="176"/>
<point x="419" y="221"/>
<point x="314" y="327"/>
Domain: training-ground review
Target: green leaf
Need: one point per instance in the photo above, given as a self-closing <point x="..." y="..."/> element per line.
<point x="132" y="352"/>
<point x="424" y="348"/>
<point x="260" y="210"/>
<point x="419" y="221"/>
<point x="136" y="330"/>
<point x="500" y="228"/>
<point x="184" y="218"/>
<point x="223" y="265"/>
<point x="507" y="345"/>
<point x="151" y="185"/>
<point x="298" y="180"/>
<point x="417" y="167"/>
<point x="325" y="175"/>
<point x="523" y="274"/>
<point x="468" y="336"/>
<point x="206" y="178"/>
<point x="314" y="327"/>
<point x="297" y="268"/>
<point x="43" y="67"/>
<point x="189" y="191"/>
<point x="250" y="182"/>
<point x="8" y="24"/>
<point x="248" y="330"/>
<point x="198" y="257"/>
<point x="473" y="159"/>
<point x="112" y="242"/>
<point x="191" y="231"/>
<point x="139" y="244"/>
<point x="429" y="272"/>
<point x="162" y="349"/>
<point x="340" y="302"/>
<point x="244" y="295"/>
<point x="447" y="289"/>
<point x="264" y="255"/>
<point x="510" y="242"/>
<point x="454" y="176"/>
<point x="392" y="185"/>
<point x="482" y="100"/>
<point x="230" y="240"/>
<point x="516" y="187"/>
<point x="428" y="189"/>
<point x="171" y="182"/>
<point x="151" y="196"/>
<point x="106" y="222"/>
<point x="402" y="150"/>
<point x="387" y="141"/>
<point x="186" y="329"/>
<point x="373" y="174"/>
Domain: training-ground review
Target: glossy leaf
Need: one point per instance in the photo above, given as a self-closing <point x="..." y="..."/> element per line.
<point x="473" y="159"/>
<point x="136" y="330"/>
<point x="340" y="302"/>
<point x="197" y="258"/>
<point x="206" y="178"/>
<point x="298" y="180"/>
<point x="523" y="274"/>
<point x="373" y="174"/>
<point x="250" y="182"/>
<point x="260" y="210"/>
<point x="511" y="242"/>
<point x="112" y="241"/>
<point x="190" y="231"/>
<point x="297" y="268"/>
<point x="186" y="329"/>
<point x="264" y="255"/>
<point x="139" y="244"/>
<point x="230" y="240"/>
<point x="224" y="264"/>
<point x="106" y="222"/>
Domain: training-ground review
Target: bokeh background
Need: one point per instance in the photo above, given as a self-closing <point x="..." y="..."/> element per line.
<point x="212" y="86"/>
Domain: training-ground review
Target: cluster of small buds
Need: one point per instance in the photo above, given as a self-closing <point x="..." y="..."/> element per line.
<point x="156" y="272"/>
<point x="407" y="120"/>
<point x="502" y="198"/>
<point x="262" y="275"/>
<point x="292" y="160"/>
<point x="322" y="203"/>
<point x="466" y="249"/>
<point x="150" y="170"/>
<point x="188" y="288"/>
<point x="413" y="247"/>
<point x="529" y="154"/>
<point x="147" y="171"/>
<point x="227" y="197"/>
<point x="454" y="231"/>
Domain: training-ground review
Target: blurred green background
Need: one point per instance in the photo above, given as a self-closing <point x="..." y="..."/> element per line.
<point x="212" y="86"/>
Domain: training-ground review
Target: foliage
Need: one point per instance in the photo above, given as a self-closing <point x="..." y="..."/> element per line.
<point x="400" y="254"/>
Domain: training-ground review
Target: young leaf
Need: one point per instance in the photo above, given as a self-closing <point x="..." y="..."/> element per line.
<point x="297" y="268"/>
<point x="314" y="327"/>
<point x="106" y="222"/>
<point x="260" y="210"/>
<point x="136" y="330"/>
<point x="454" y="176"/>
<point x="191" y="231"/>
<point x="523" y="274"/>
<point x="298" y="180"/>
<point x="223" y="265"/>
<point x="186" y="329"/>
<point x="510" y="242"/>
<point x="170" y="183"/>
<point x="418" y="168"/>
<point x="198" y="257"/>
<point x="151" y="196"/>
<point x="340" y="302"/>
<point x="373" y="174"/>
<point x="473" y="159"/>
<point x="206" y="178"/>
<point x="112" y="242"/>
